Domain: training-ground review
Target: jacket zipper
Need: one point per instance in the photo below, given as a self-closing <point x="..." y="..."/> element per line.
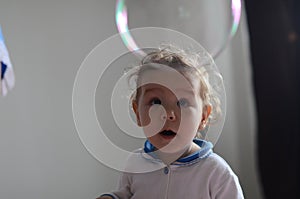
<point x="167" y="169"/>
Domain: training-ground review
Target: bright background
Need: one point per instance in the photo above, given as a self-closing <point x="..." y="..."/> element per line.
<point x="41" y="155"/>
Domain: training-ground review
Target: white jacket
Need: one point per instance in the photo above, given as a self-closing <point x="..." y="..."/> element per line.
<point x="202" y="175"/>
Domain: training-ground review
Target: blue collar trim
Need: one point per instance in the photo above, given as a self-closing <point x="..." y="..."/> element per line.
<point x="206" y="149"/>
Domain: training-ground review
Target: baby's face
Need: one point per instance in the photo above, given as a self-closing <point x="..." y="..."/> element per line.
<point x="169" y="108"/>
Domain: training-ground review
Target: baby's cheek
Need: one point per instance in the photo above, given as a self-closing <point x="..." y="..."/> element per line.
<point x="155" y="123"/>
<point x="189" y="122"/>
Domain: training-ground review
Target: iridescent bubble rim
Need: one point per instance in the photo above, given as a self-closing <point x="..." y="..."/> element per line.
<point x="121" y="17"/>
<point x="122" y="24"/>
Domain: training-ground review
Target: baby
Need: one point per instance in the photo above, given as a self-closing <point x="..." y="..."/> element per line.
<point x="174" y="103"/>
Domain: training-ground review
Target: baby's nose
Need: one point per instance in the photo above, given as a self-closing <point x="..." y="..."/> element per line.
<point x="169" y="115"/>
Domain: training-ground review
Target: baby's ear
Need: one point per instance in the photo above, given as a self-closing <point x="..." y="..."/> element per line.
<point x="205" y="114"/>
<point x="136" y="111"/>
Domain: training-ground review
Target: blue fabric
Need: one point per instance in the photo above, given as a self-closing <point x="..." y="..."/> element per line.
<point x="3" y="66"/>
<point x="206" y="148"/>
<point x="148" y="147"/>
<point x="1" y="36"/>
<point x="3" y="69"/>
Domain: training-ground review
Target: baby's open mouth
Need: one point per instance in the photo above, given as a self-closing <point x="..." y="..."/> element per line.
<point x="168" y="134"/>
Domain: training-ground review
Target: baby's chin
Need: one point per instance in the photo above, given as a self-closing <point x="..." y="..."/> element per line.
<point x="175" y="146"/>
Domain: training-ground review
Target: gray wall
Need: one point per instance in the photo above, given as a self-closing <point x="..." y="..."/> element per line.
<point x="40" y="152"/>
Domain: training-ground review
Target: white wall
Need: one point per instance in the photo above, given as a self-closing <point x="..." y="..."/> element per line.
<point x="237" y="143"/>
<point x="40" y="152"/>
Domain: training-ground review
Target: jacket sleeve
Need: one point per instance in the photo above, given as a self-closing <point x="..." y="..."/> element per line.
<point x="123" y="191"/>
<point x="229" y="187"/>
<point x="223" y="182"/>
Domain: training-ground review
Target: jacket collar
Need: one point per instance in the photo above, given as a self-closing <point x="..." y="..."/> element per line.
<point x="205" y="151"/>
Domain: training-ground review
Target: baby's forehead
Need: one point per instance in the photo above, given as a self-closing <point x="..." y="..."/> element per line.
<point x="176" y="82"/>
<point x="153" y="87"/>
<point x="166" y="75"/>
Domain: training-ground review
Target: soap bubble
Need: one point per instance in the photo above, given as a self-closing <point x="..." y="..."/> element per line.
<point x="213" y="23"/>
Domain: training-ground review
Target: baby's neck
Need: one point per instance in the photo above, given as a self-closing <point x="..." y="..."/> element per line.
<point x="169" y="158"/>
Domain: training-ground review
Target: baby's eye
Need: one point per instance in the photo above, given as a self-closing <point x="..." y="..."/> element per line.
<point x="155" y="101"/>
<point x="182" y="103"/>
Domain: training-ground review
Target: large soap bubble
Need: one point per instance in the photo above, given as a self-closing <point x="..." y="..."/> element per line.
<point x="213" y="23"/>
<point x="101" y="98"/>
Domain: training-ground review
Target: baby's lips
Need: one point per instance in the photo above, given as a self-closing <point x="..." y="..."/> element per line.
<point x="168" y="132"/>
